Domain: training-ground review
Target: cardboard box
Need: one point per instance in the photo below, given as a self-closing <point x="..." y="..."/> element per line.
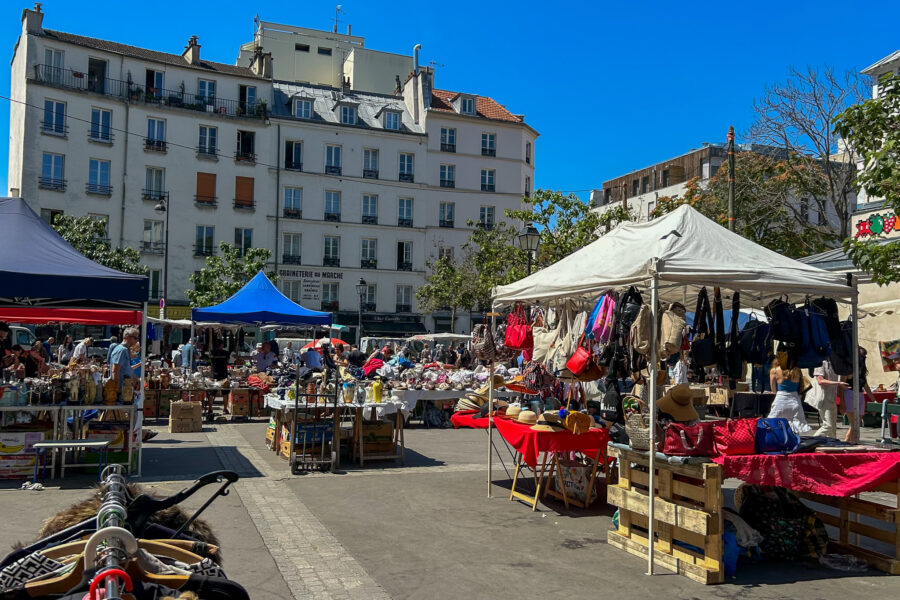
<point x="239" y="396"/>
<point x="377" y="432"/>
<point x="19" y="466"/>
<point x="193" y="395"/>
<point x="187" y="410"/>
<point x="239" y="410"/>
<point x="17" y="443"/>
<point x="184" y="425"/>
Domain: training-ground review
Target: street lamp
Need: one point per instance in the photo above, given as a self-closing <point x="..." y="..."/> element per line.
<point x="529" y="240"/>
<point x="163" y="206"/>
<point x="361" y="288"/>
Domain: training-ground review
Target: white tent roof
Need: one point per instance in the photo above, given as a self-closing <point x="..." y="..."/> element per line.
<point x="688" y="251"/>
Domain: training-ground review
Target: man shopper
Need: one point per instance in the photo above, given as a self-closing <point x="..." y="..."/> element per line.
<point x="79" y="355"/>
<point x="120" y="359"/>
<point x="265" y="358"/>
<point x="823" y="397"/>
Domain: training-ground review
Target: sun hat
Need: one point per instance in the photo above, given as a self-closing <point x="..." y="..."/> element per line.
<point x="548" y="421"/>
<point x="513" y="411"/>
<point x="527" y="417"/>
<point x="679" y="402"/>
<point x="497" y="381"/>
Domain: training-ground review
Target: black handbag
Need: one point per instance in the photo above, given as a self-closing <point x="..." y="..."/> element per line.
<point x="735" y="358"/>
<point x="703" y="346"/>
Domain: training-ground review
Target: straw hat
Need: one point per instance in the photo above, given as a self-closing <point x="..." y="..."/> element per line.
<point x="513" y="411"/>
<point x="496" y="380"/>
<point x="478" y="399"/>
<point x="548" y="421"/>
<point x="679" y="402"/>
<point x="527" y="417"/>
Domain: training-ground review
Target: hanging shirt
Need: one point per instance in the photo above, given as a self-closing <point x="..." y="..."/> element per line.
<point x="679" y="373"/>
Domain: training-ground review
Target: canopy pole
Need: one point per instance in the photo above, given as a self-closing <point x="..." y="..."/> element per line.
<point x="854" y="307"/>
<point x="491" y="415"/>
<point x="190" y="367"/>
<point x="652" y="368"/>
<point x="139" y="409"/>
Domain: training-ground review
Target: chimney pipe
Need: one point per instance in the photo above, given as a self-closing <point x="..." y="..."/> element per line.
<point x="416" y="49"/>
<point x="349" y="29"/>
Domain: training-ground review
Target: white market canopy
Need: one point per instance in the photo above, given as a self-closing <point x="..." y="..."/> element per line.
<point x="687" y="251"/>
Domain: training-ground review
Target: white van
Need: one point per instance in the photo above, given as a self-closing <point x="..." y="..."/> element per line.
<point x="21" y="336"/>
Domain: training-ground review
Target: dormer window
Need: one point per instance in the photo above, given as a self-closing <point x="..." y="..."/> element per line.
<point x="467" y="105"/>
<point x="348" y="115"/>
<point x="302" y="108"/>
<point x="392" y="120"/>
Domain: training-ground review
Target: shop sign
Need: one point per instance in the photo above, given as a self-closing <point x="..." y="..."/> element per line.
<point x="310" y="274"/>
<point x="877" y="224"/>
<point x="170" y="312"/>
<point x="310" y="291"/>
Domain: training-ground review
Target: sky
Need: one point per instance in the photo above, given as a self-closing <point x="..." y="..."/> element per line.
<point x="610" y="86"/>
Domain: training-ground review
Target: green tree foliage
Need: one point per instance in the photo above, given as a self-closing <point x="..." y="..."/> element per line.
<point x="449" y="286"/>
<point x="226" y="273"/>
<point x="493" y="258"/>
<point x="872" y="128"/>
<point x="89" y="236"/>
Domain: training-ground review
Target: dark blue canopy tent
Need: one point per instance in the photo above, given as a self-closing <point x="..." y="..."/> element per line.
<point x="40" y="268"/>
<point x="260" y="303"/>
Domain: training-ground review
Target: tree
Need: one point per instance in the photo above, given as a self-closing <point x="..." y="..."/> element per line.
<point x="449" y="286"/>
<point x="615" y="216"/>
<point x="89" y="236"/>
<point x="872" y="128"/>
<point x="227" y="273"/>
<point x="797" y="117"/>
<point x="494" y="258"/>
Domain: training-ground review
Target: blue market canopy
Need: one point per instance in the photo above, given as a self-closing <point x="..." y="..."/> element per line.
<point x="260" y="303"/>
<point x="38" y="267"/>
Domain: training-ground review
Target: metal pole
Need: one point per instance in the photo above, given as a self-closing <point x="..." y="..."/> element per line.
<point x="359" y="324"/>
<point x="491" y="415"/>
<point x="166" y="261"/>
<point x="653" y="366"/>
<point x="730" y="178"/>
<point x="854" y="302"/>
<point x="529" y="262"/>
<point x="138" y="417"/>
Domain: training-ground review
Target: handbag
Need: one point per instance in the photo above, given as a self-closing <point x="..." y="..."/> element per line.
<point x="775" y="436"/>
<point x="672" y="328"/>
<point x="577" y="422"/>
<point x="736" y="437"/>
<point x="483" y="342"/>
<point x="734" y="357"/>
<point x="581" y="359"/>
<point x="689" y="440"/>
<point x="518" y="330"/>
<point x="703" y="346"/>
<point x="603" y="325"/>
<point x="637" y="427"/>
<point x="543" y="339"/>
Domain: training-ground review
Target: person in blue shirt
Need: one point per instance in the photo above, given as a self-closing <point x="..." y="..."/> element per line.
<point x="120" y="360"/>
<point x="113" y="342"/>
<point x="189" y="355"/>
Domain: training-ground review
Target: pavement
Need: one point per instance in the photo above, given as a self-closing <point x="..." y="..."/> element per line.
<point x="426" y="530"/>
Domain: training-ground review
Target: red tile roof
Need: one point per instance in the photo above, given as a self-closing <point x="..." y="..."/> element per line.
<point x="484" y="106"/>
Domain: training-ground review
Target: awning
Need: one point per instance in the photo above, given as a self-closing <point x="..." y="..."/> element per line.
<point x="391" y="328"/>
<point x="37" y="316"/>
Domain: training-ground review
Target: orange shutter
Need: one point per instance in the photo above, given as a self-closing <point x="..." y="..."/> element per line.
<point x="243" y="190"/>
<point x="206" y="187"/>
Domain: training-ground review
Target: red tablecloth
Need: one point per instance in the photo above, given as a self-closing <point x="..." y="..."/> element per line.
<point x="467" y="419"/>
<point x="818" y="472"/>
<point x="531" y="443"/>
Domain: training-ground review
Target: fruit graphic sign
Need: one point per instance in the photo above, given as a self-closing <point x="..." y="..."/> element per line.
<point x="877" y="224"/>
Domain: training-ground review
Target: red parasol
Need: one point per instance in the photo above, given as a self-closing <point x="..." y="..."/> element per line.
<point x="319" y="342"/>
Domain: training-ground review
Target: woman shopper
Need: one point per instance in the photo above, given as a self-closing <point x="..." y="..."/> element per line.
<point x="65" y="350"/>
<point x="787" y="403"/>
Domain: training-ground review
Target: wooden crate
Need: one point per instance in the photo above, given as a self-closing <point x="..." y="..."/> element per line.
<point x="850" y="512"/>
<point x="688" y="509"/>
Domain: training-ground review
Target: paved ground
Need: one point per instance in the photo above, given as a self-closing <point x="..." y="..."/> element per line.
<point x="424" y="531"/>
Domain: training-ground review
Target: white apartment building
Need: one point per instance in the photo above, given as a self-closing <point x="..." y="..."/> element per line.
<point x="890" y="64"/>
<point x="339" y="183"/>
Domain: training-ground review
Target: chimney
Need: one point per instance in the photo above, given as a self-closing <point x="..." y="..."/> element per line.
<point x="261" y="63"/>
<point x="192" y="51"/>
<point x="349" y="29"/>
<point x="32" y="20"/>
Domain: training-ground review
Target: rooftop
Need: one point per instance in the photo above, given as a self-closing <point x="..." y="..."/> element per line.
<point x="871" y="69"/>
<point x="484" y="107"/>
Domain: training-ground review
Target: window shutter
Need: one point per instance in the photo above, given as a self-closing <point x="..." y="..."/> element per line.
<point x="206" y="187"/>
<point x="243" y="190"/>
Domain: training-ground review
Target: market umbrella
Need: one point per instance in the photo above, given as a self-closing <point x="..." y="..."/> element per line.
<point x="323" y="341"/>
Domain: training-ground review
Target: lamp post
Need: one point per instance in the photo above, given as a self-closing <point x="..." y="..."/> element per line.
<point x="163" y="206"/>
<point x="361" y="291"/>
<point x="529" y="240"/>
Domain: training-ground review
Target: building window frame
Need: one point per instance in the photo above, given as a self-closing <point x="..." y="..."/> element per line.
<point x="488" y="180"/>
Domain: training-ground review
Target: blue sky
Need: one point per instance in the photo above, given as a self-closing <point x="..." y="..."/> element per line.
<point x="610" y="86"/>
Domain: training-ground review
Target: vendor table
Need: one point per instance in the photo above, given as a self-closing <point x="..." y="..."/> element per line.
<point x="469" y="418"/>
<point x="398" y="442"/>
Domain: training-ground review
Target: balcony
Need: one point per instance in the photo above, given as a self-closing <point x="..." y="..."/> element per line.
<point x="370" y="220"/>
<point x="332" y="170"/>
<point x="404" y="266"/>
<point x="291" y="165"/>
<point x="370" y="173"/>
<point x="153" y="247"/>
<point x="331" y="261"/>
<point x="245" y="157"/>
<point x="448" y="223"/>
<point x="244" y="204"/>
<point x="152" y="145"/>
<point x="401" y="222"/>
<point x="207" y="152"/>
<point x="489" y="152"/>
<point x="448" y="147"/>
<point x="448" y="183"/>
<point x="98" y="190"/>
<point x="293" y="213"/>
<point x="154" y="195"/>
<point x="206" y="201"/>
<point x="204" y="250"/>
<point x="333" y="216"/>
<point x="487" y="226"/>
<point x="487" y="187"/>
<point x="404" y="308"/>
<point x="407" y="177"/>
<point x="368" y="263"/>
<point x="291" y="259"/>
<point x="367" y="307"/>
<point x="57" y="129"/>
<point x="329" y="305"/>
<point x="129" y="91"/>
<point x="99" y="136"/>
<point x="52" y="183"/>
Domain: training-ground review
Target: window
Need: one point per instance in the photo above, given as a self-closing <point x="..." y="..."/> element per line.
<point x="488" y="144"/>
<point x="330" y="296"/>
<point x="370" y="209"/>
<point x="208" y="143"/>
<point x="293" y="202"/>
<point x="246" y="146"/>
<point x="528" y="187"/>
<point x="206" y="90"/>
<point x="448" y="139"/>
<point x="243" y="192"/>
<point x="651" y="206"/>
<point x="332" y="206"/>
<point x="369" y="254"/>
<point x="713" y="169"/>
<point x="98" y="177"/>
<point x="100" y="125"/>
<point x="448" y="176"/>
<point x="332" y="257"/>
<point x="156" y="135"/>
<point x="152" y="242"/>
<point x="243" y="239"/>
<point x="404" y="298"/>
<point x="203" y="242"/>
<point x="348" y="115"/>
<point x="635" y="186"/>
<point x="392" y="120"/>
<point x="822" y="217"/>
<point x="54" y="117"/>
<point x="154" y="82"/>
<point x="804" y="210"/>
<point x="369" y="297"/>
<point x="49" y="215"/>
<point x="405" y="212"/>
<point x="324" y="51"/>
<point x="645" y="184"/>
<point x="446" y="214"/>
<point x="301" y="47"/>
<point x="528" y="152"/>
<point x="155" y="278"/>
<point x="407" y="165"/>
<point x="486" y="217"/>
<point x="332" y="159"/>
<point x="302" y="108"/>
<point x="404" y="256"/>
<point x="487" y="180"/>
<point x="445" y="252"/>
<point x="291" y="288"/>
<point x="247" y="97"/>
<point x="206" y="189"/>
<point x="154" y="184"/>
<point x="291" y="254"/>
<point x="53" y="175"/>
<point x="293" y="155"/>
<point x="665" y="178"/>
<point x="370" y="163"/>
<point x="467" y="105"/>
<point x="607" y="196"/>
<point x="53" y="65"/>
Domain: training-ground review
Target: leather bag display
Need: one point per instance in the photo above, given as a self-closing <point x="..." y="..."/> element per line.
<point x="736" y="437"/>
<point x="581" y="360"/>
<point x="775" y="436"/>
<point x="703" y="346"/>
<point x="672" y="329"/>
<point x="690" y="440"/>
<point x="518" y="330"/>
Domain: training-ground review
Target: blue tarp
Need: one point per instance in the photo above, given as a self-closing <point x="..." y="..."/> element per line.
<point x="260" y="303"/>
<point x="36" y="263"/>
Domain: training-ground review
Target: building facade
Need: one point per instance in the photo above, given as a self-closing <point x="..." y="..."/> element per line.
<point x="340" y="180"/>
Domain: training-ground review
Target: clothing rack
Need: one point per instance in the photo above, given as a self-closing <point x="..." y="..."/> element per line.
<point x="120" y="543"/>
<point x="334" y="460"/>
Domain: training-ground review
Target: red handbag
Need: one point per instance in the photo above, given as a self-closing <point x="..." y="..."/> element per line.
<point x="518" y="331"/>
<point x="690" y="440"/>
<point x="581" y="360"/>
<point x="736" y="437"/>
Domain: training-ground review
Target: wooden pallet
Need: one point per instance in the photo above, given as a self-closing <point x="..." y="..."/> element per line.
<point x="688" y="509"/>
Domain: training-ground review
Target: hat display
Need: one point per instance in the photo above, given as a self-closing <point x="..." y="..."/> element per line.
<point x="527" y="417"/>
<point x="513" y="411"/>
<point x="496" y="380"/>
<point x="679" y="402"/>
<point x="548" y="421"/>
